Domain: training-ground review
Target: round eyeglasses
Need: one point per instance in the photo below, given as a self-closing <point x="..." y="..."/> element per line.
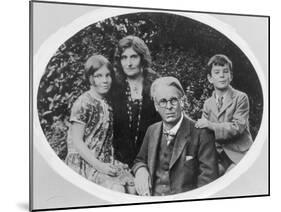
<point x="173" y="101"/>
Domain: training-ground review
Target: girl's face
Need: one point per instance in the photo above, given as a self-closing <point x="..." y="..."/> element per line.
<point x="101" y="80"/>
<point x="131" y="62"/>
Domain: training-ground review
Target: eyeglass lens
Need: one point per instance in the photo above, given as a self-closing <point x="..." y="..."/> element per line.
<point x="173" y="101"/>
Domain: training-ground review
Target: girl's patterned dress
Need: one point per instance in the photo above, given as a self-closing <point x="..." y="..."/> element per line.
<point x="96" y="115"/>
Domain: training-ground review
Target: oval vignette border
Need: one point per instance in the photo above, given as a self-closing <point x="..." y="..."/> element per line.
<point x="51" y="45"/>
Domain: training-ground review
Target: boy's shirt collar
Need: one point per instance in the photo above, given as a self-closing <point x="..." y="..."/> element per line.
<point x="217" y="97"/>
<point x="227" y="98"/>
<point x="227" y="93"/>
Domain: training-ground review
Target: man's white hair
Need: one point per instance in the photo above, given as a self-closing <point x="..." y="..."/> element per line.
<point x="165" y="81"/>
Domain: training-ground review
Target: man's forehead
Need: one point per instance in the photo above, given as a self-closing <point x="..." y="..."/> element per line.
<point x="166" y="90"/>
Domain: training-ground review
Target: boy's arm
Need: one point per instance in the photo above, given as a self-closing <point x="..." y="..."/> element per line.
<point x="205" y="114"/>
<point x="203" y="122"/>
<point x="236" y="125"/>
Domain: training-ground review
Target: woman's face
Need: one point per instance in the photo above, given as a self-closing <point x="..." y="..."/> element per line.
<point x="131" y="62"/>
<point x="101" y="80"/>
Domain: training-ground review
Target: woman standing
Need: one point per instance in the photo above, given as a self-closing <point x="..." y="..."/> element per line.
<point x="90" y="150"/>
<point x="133" y="107"/>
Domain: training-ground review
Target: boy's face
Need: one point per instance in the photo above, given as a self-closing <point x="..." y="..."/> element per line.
<point x="220" y="77"/>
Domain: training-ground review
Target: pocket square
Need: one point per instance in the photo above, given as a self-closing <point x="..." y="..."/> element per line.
<point x="188" y="157"/>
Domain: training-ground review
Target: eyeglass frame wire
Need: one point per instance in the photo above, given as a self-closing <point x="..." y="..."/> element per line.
<point x="174" y="99"/>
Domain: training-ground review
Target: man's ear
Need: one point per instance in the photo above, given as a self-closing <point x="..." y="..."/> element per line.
<point x="182" y="103"/>
<point x="182" y="99"/>
<point x="155" y="105"/>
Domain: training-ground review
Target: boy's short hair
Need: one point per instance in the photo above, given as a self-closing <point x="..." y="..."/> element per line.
<point x="166" y="81"/>
<point x="220" y="60"/>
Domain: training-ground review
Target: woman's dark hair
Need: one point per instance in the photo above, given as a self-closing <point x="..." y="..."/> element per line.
<point x="139" y="47"/>
<point x="219" y="60"/>
<point x="94" y="63"/>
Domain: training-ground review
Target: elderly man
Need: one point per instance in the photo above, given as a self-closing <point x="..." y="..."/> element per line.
<point x="175" y="156"/>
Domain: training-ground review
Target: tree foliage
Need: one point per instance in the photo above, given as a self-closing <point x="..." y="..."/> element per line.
<point x="179" y="46"/>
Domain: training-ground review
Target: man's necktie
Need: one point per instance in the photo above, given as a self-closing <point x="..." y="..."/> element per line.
<point x="169" y="136"/>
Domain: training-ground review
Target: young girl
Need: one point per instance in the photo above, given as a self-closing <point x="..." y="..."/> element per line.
<point x="90" y="150"/>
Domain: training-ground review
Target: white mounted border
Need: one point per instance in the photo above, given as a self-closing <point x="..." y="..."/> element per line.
<point x="50" y="46"/>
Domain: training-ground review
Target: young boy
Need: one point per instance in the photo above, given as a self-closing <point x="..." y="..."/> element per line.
<point x="226" y="113"/>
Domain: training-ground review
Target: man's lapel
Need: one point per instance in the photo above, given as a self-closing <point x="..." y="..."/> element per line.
<point x="182" y="137"/>
<point x="228" y="99"/>
<point x="153" y="147"/>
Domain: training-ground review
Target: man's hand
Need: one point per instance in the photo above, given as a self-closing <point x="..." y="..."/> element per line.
<point x="203" y="123"/>
<point x="142" y="182"/>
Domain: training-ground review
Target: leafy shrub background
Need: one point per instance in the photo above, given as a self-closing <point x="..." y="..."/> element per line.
<point x="179" y="46"/>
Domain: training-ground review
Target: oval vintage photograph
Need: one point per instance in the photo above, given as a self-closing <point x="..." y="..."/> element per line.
<point x="150" y="103"/>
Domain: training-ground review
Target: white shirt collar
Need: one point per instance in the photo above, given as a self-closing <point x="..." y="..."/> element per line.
<point x="224" y="95"/>
<point x="217" y="97"/>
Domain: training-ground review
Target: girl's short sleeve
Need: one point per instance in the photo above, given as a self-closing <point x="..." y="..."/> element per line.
<point x="80" y="111"/>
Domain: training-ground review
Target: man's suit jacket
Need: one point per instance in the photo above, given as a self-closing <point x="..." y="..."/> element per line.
<point x="231" y="124"/>
<point x="194" y="159"/>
